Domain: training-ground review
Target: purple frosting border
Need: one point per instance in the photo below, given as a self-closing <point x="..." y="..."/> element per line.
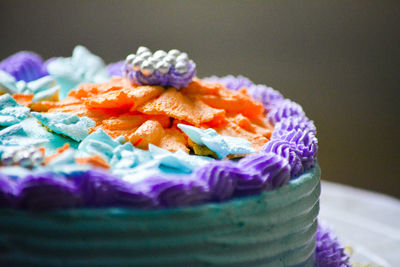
<point x="291" y="151"/>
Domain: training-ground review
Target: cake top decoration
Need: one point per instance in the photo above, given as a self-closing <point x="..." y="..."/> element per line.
<point x="172" y="68"/>
<point x="158" y="130"/>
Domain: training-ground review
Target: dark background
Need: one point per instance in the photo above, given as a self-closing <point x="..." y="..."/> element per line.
<point x="339" y="59"/>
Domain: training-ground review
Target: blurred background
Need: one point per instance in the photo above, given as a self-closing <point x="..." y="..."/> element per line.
<point x="339" y="59"/>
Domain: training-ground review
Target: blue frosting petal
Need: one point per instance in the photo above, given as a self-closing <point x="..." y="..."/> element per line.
<point x="47" y="94"/>
<point x="41" y="84"/>
<point x="128" y="159"/>
<point x="8" y="84"/>
<point x="11" y="112"/>
<point x="127" y="156"/>
<point x="98" y="143"/>
<point x="83" y="66"/>
<point x="73" y="126"/>
<point x="179" y="160"/>
<point x="8" y="120"/>
<point x="51" y="141"/>
<point x="15" y="135"/>
<point x="220" y="144"/>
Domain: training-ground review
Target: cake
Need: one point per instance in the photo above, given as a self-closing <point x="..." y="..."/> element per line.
<point x="141" y="163"/>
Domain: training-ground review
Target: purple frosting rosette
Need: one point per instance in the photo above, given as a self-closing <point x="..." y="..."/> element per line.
<point x="329" y="252"/>
<point x="115" y="69"/>
<point x="25" y="66"/>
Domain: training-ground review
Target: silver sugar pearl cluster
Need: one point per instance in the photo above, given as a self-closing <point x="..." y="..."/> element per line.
<point x="147" y="62"/>
<point x="25" y="157"/>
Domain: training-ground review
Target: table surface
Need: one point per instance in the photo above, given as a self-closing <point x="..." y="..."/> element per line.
<point x="366" y="221"/>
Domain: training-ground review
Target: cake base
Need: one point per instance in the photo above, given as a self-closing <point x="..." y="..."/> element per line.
<point x="275" y="228"/>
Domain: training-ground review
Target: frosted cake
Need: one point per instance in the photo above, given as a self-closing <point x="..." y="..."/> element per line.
<point x="142" y="163"/>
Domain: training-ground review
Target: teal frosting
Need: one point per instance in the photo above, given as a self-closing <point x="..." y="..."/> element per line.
<point x="43" y="88"/>
<point x="275" y="228"/>
<point x="220" y="144"/>
<point x="134" y="164"/>
<point x="30" y="133"/>
<point x="98" y="143"/>
<point x="8" y="84"/>
<point x="65" y="164"/>
<point x="46" y="94"/>
<point x="34" y="130"/>
<point x="16" y="135"/>
<point x="82" y="67"/>
<point x="126" y="156"/>
<point x="130" y="161"/>
<point x="126" y="161"/>
<point x="41" y="84"/>
<point x="73" y="126"/>
<point x="11" y="112"/>
<point x="179" y="160"/>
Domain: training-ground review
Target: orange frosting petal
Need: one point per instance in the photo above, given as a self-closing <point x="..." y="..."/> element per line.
<point x="92" y="89"/>
<point x="149" y="132"/>
<point x="201" y="87"/>
<point x="232" y="129"/>
<point x="176" y="105"/>
<point x="235" y="102"/>
<point x="23" y="99"/>
<point x="111" y="99"/>
<point x="246" y="124"/>
<point x="174" y="140"/>
<point x="129" y="122"/>
<point x="143" y="94"/>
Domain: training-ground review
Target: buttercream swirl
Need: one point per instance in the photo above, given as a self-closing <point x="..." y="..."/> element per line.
<point x="295" y="123"/>
<point x="306" y="145"/>
<point x="288" y="151"/>
<point x="264" y="171"/>
<point x="176" y="191"/>
<point x="284" y="109"/>
<point x="221" y="177"/>
<point x="100" y="189"/>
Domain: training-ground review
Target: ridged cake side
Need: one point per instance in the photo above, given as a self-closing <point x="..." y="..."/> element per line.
<point x="275" y="228"/>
